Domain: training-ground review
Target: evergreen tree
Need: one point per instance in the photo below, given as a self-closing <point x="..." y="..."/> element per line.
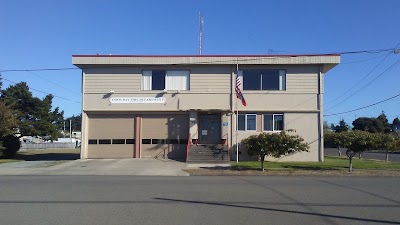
<point x="35" y="116"/>
<point x="383" y="123"/>
<point x="342" y="127"/>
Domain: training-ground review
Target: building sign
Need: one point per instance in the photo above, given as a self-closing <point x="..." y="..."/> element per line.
<point x="203" y="132"/>
<point x="137" y="100"/>
<point x="224" y="124"/>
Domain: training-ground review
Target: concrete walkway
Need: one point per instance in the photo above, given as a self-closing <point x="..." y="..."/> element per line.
<point x="145" y="167"/>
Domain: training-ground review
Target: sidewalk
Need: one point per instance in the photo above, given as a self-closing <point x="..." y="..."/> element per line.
<point x="134" y="167"/>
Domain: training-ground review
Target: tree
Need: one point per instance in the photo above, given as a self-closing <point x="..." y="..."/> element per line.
<point x="76" y="122"/>
<point x="326" y="126"/>
<point x="342" y="127"/>
<point x="371" y="125"/>
<point x="338" y="140"/>
<point x="387" y="142"/>
<point x="274" y="144"/>
<point x="35" y="116"/>
<point x="7" y="120"/>
<point x="359" y="141"/>
<point x="10" y="144"/>
<point x="396" y="125"/>
<point x="383" y="123"/>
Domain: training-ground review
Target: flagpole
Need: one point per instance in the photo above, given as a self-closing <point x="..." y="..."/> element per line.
<point x="237" y="116"/>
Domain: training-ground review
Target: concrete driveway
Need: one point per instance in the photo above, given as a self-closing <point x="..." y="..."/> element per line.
<point x="148" y="167"/>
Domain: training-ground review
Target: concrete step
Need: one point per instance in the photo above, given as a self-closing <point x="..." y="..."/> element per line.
<point x="208" y="153"/>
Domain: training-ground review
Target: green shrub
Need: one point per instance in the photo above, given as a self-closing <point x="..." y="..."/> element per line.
<point x="11" y="145"/>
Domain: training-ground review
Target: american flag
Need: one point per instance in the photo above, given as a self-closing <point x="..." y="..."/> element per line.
<point x="239" y="94"/>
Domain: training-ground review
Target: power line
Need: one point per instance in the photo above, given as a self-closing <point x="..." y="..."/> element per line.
<point x="365" y="86"/>
<point x="233" y="61"/>
<point x="362" y="79"/>
<point x="53" y="83"/>
<point x="363" y="60"/>
<point x="42" y="91"/>
<point x="376" y="103"/>
<point x="41" y="69"/>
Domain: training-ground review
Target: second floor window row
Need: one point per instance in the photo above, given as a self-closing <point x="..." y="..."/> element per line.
<point x="165" y="80"/>
<point x="252" y="79"/>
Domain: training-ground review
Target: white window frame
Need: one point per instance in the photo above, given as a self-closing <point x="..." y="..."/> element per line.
<point x="245" y="121"/>
<point x="273" y="121"/>
<point x="146" y="80"/>
<point x="176" y="74"/>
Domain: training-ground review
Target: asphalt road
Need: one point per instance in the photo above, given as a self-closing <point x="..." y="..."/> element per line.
<point x="393" y="156"/>
<point x="198" y="200"/>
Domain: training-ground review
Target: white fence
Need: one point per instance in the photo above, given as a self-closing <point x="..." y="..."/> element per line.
<point x="25" y="146"/>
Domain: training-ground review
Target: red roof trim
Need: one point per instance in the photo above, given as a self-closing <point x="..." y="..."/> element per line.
<point x="200" y="56"/>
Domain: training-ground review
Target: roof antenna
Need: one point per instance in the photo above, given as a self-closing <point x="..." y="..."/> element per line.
<point x="201" y="24"/>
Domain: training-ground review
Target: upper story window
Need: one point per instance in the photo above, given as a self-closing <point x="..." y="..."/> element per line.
<point x="273" y="122"/>
<point x="247" y="122"/>
<point x="254" y="79"/>
<point x="165" y="80"/>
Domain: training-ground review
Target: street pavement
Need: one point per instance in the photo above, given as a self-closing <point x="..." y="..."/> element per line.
<point x="393" y="156"/>
<point x="223" y="200"/>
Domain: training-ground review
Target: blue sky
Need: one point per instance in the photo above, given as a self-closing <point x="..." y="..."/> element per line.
<point x="44" y="34"/>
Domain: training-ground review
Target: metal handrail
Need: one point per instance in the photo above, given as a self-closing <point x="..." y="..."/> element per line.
<point x="188" y="146"/>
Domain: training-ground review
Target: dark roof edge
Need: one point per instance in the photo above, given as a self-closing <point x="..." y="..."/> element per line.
<point x="199" y="56"/>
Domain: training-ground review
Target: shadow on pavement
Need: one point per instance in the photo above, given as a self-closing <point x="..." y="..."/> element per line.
<point x="323" y="215"/>
<point x="48" y="156"/>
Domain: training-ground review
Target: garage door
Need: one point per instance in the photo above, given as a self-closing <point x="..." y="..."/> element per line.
<point x="165" y="136"/>
<point x="111" y="136"/>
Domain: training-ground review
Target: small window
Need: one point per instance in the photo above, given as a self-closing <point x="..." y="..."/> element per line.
<point x="247" y="122"/>
<point x="241" y="122"/>
<point x="146" y="141"/>
<point x="130" y="141"/>
<point x="92" y="141"/>
<point x="158" y="80"/>
<point x="172" y="141"/>
<point x="118" y="141"/>
<point x="273" y="122"/>
<point x="104" y="141"/>
<point x="158" y="141"/>
<point x="183" y="141"/>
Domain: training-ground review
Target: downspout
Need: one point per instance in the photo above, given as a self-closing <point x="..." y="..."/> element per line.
<point x="320" y="115"/>
<point x="84" y="136"/>
<point x="233" y="123"/>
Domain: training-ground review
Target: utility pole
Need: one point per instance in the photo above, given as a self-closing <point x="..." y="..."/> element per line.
<point x="64" y="129"/>
<point x="201" y="24"/>
<point x="70" y="128"/>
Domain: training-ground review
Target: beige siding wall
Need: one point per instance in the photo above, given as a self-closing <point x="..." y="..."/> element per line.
<point x="302" y="79"/>
<point x="214" y="79"/>
<point x="304" y="124"/>
<point x="121" y="80"/>
<point x="174" y="102"/>
<point x="278" y="101"/>
<point x="210" y="89"/>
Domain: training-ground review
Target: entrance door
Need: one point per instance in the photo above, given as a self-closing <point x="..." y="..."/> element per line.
<point x="209" y="128"/>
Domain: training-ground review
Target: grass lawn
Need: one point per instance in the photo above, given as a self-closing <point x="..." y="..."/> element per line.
<point x="8" y="160"/>
<point x="45" y="155"/>
<point x="330" y="163"/>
